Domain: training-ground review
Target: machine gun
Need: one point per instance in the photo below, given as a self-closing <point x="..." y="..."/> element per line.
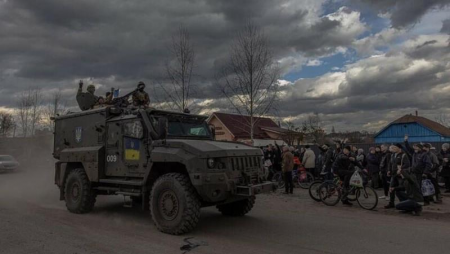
<point x="123" y="100"/>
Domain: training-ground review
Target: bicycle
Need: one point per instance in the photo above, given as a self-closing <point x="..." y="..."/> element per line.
<point x="330" y="193"/>
<point x="302" y="178"/>
<point x="277" y="177"/>
<point x="317" y="184"/>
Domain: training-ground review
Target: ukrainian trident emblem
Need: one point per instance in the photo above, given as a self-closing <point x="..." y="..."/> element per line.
<point x="78" y="134"/>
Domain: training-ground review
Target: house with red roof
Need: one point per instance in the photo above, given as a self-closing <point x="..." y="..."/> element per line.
<point x="234" y="127"/>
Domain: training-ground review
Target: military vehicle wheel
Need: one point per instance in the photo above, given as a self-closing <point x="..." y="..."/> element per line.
<point x="77" y="192"/>
<point x="174" y="204"/>
<point x="238" y="208"/>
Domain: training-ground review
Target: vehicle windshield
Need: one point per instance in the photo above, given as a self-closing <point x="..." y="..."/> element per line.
<point x="6" y="158"/>
<point x="186" y="128"/>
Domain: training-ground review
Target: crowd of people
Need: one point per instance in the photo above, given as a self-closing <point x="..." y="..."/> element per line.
<point x="400" y="170"/>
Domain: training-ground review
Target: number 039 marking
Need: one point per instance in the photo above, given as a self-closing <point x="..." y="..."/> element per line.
<point x="111" y="158"/>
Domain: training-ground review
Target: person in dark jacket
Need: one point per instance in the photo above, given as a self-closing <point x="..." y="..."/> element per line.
<point x="444" y="159"/>
<point x="398" y="158"/>
<point x="420" y="161"/>
<point x="343" y="166"/>
<point x="277" y="157"/>
<point x="432" y="173"/>
<point x="385" y="162"/>
<point x="409" y="194"/>
<point x="327" y="161"/>
<point x="373" y="165"/>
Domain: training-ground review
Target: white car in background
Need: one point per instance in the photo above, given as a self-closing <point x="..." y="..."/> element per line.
<point x="8" y="163"/>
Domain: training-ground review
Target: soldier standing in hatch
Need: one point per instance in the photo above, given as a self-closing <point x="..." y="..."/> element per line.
<point x="140" y="97"/>
<point x="90" y="91"/>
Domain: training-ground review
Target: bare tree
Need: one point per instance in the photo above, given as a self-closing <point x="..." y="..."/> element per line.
<point x="293" y="136"/>
<point x="249" y="81"/>
<point x="7" y="123"/>
<point x="24" y="106"/>
<point x="29" y="110"/>
<point x="312" y="126"/>
<point x="443" y="119"/>
<point x="180" y="70"/>
<point x="54" y="108"/>
<point x="36" y="112"/>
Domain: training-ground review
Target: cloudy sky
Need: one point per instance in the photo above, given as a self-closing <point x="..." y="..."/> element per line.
<point x="358" y="63"/>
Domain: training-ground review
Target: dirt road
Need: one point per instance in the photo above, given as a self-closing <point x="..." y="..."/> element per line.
<point x="32" y="220"/>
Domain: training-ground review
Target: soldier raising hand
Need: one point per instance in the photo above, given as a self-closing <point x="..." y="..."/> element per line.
<point x="140" y="97"/>
<point x="87" y="100"/>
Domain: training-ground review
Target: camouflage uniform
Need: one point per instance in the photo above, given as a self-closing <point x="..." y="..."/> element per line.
<point x="90" y="92"/>
<point x="140" y="97"/>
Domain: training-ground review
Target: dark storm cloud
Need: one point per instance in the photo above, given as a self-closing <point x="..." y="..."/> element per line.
<point x="404" y="12"/>
<point x="446" y="26"/>
<point x="52" y="42"/>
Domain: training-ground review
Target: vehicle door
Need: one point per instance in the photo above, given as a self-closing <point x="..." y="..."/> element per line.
<point x="125" y="151"/>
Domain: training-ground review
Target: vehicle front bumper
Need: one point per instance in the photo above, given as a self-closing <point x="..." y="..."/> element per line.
<point x="252" y="190"/>
<point x="8" y="168"/>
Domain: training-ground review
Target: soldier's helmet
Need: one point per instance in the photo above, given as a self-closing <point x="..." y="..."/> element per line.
<point x="141" y="85"/>
<point x="91" y="88"/>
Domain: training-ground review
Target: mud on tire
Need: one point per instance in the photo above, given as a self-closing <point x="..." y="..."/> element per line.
<point x="238" y="208"/>
<point x="78" y="194"/>
<point x="174" y="204"/>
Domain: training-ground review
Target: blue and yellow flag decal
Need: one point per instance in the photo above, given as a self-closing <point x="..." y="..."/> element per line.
<point x="132" y="149"/>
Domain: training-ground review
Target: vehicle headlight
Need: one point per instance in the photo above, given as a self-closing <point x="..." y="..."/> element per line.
<point x="211" y="163"/>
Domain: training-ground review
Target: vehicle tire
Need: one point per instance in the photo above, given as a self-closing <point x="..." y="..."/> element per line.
<point x="314" y="191"/>
<point x="367" y="198"/>
<point x="305" y="183"/>
<point x="78" y="194"/>
<point x="174" y="204"/>
<point x="329" y="193"/>
<point x="238" y="208"/>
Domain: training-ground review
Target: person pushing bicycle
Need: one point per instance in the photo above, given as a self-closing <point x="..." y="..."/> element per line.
<point x="344" y="166"/>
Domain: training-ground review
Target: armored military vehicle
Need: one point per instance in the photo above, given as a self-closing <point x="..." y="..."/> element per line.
<point x="167" y="161"/>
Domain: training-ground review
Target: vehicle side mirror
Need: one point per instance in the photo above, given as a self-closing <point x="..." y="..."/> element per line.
<point x="212" y="128"/>
<point x="163" y="125"/>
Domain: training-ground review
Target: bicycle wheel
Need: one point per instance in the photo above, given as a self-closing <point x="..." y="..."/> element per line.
<point x="329" y="193"/>
<point x="367" y="198"/>
<point x="314" y="191"/>
<point x="306" y="182"/>
<point x="295" y="181"/>
<point x="351" y="196"/>
<point x="278" y="178"/>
